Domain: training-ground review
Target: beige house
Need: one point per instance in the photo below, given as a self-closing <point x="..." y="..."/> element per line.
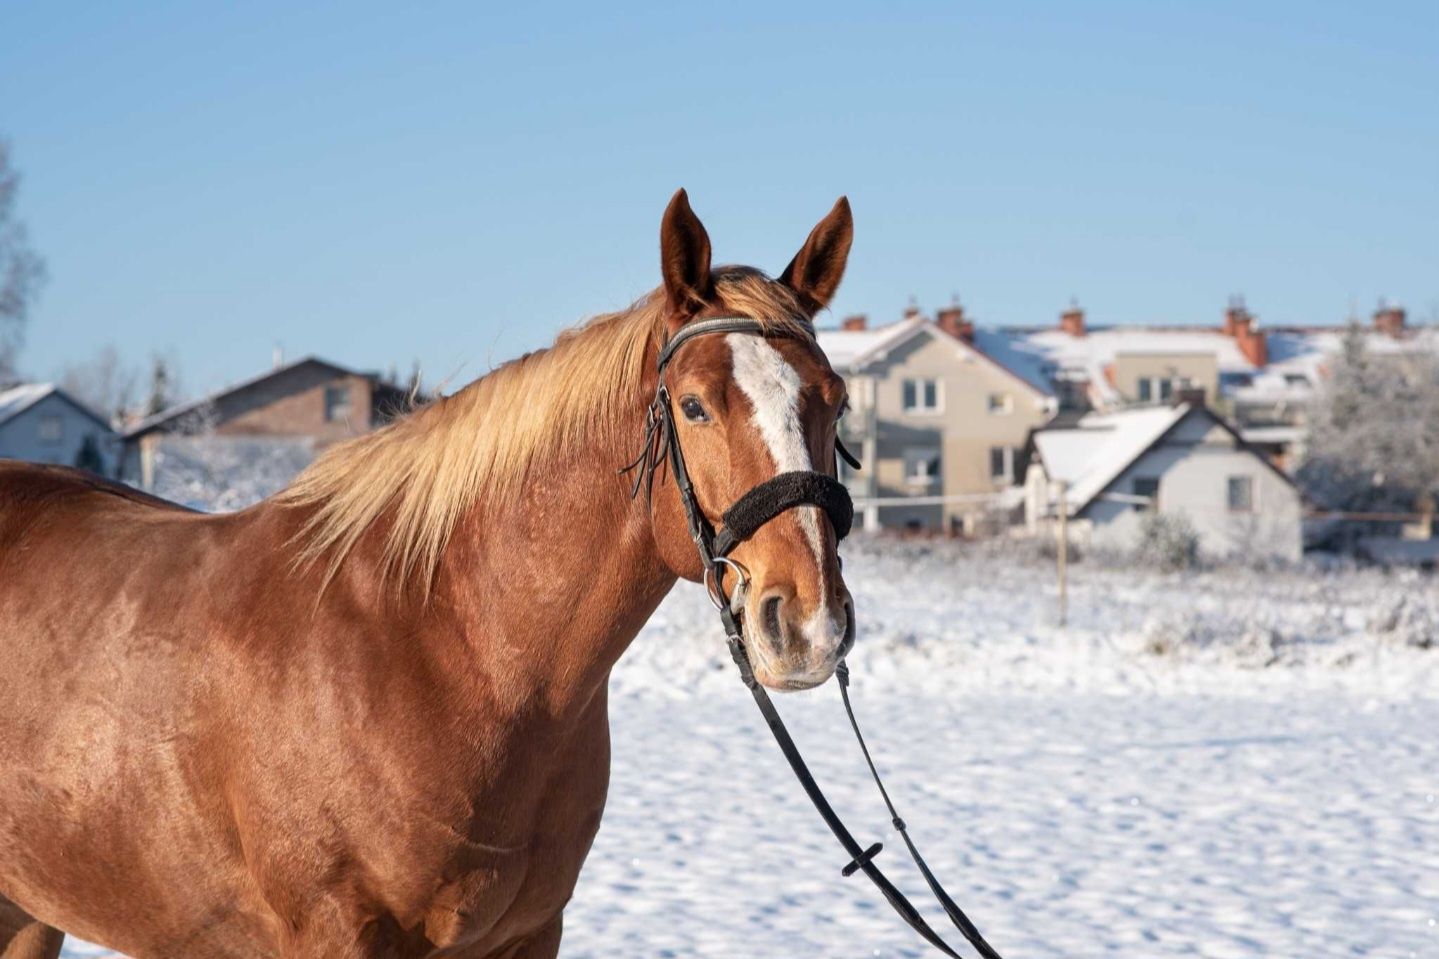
<point x="939" y="424"/>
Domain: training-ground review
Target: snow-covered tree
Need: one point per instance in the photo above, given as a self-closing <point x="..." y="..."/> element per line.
<point x="21" y="269"/>
<point x="1372" y="442"/>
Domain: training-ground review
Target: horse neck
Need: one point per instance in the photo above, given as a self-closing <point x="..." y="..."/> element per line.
<point x="552" y="589"/>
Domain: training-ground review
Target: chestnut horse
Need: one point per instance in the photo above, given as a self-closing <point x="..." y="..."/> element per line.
<point x="368" y="717"/>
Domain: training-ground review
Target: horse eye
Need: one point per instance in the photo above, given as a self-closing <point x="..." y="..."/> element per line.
<point x="693" y="410"/>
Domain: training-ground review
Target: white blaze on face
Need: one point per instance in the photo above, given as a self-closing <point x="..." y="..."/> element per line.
<point x="772" y="387"/>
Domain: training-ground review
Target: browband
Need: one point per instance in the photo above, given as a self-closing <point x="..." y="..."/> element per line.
<point x="723" y="324"/>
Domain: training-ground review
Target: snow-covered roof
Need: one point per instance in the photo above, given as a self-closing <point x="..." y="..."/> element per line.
<point x="1091" y="454"/>
<point x="1298" y="357"/>
<point x="852" y="349"/>
<point x="848" y="349"/>
<point x="181" y="410"/>
<point x="18" y="399"/>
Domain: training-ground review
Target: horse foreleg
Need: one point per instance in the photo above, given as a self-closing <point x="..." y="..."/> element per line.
<point x="22" y="936"/>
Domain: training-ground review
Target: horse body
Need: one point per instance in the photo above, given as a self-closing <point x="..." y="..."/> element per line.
<point x="214" y="743"/>
<point x="209" y="729"/>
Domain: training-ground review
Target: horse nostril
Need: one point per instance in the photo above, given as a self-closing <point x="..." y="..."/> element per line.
<point x="769" y="616"/>
<point x="848" y="642"/>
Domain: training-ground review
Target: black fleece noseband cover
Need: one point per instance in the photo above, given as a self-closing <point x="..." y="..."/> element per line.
<point x="774" y="496"/>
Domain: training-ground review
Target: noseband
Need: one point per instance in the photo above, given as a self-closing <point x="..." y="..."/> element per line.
<point x="738" y="523"/>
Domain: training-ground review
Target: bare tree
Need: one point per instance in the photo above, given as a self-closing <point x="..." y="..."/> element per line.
<point x="22" y="271"/>
<point x="105" y="383"/>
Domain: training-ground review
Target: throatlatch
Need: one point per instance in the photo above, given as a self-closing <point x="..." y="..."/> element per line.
<point x="741" y="521"/>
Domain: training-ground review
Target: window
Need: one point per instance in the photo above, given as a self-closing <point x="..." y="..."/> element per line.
<point x="1241" y="494"/>
<point x="1296" y="379"/>
<point x="51" y="429"/>
<point x="1146" y="389"/>
<point x="1001" y="464"/>
<point x="1148" y="487"/>
<point x="1001" y="403"/>
<point x="1166" y="390"/>
<point x="921" y="396"/>
<point x="337" y="403"/>
<point x="921" y="466"/>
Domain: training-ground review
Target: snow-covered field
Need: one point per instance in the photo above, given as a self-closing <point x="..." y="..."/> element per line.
<point x="1227" y="763"/>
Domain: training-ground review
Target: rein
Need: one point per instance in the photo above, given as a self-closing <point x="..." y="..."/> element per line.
<point x="738" y="523"/>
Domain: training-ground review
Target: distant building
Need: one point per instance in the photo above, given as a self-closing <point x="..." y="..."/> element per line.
<point x="41" y="423"/>
<point x="1261" y="379"/>
<point x="938" y="420"/>
<point x="1179" y="460"/>
<point x="310" y="402"/>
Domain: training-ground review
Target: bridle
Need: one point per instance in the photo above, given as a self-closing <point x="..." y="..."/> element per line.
<point x="738" y="523"/>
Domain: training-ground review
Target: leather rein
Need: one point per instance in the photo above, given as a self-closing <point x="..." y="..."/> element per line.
<point x="738" y="523"/>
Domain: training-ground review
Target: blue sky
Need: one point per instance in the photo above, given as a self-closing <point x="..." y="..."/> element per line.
<point x="389" y="182"/>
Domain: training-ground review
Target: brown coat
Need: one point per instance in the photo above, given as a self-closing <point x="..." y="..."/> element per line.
<point x="212" y="747"/>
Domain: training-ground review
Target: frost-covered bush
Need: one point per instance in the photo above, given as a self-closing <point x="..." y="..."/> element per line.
<point x="1167" y="542"/>
<point x="1405" y="620"/>
<point x="222" y="473"/>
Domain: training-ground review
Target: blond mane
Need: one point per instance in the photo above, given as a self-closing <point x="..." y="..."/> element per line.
<point x="422" y="472"/>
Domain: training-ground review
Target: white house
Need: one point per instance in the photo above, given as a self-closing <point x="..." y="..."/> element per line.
<point x="1106" y="469"/>
<point x="42" y="423"/>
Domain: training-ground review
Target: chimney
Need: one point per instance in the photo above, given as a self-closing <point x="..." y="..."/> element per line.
<point x="1234" y="314"/>
<point x="277" y="357"/>
<point x="854" y="324"/>
<point x="951" y="319"/>
<point x="912" y="310"/>
<point x="1239" y="323"/>
<point x="1071" y="320"/>
<point x="1193" y="395"/>
<point x="1389" y="320"/>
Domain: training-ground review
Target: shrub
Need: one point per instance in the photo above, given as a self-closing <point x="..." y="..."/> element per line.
<point x="1167" y="542"/>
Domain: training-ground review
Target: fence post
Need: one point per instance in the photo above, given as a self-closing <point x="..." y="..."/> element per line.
<point x="1063" y="553"/>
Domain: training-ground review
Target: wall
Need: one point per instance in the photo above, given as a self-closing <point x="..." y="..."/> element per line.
<point x="1201" y="369"/>
<point x="1193" y="466"/>
<point x="963" y="429"/>
<point x="279" y="412"/>
<point x="20" y="436"/>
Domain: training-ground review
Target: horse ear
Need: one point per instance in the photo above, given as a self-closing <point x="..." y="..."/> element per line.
<point x="817" y="268"/>
<point x="684" y="258"/>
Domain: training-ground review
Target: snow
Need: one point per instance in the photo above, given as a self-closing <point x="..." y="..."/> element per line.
<point x="1101" y="446"/>
<point x="1230" y="763"/>
<point x="1003" y="349"/>
<point x="17" y="399"/>
<point x="850" y="348"/>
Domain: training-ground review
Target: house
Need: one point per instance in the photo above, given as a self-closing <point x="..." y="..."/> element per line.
<point x="1105" y="470"/>
<point x="938" y="421"/>
<point x="310" y="402"/>
<point x="41" y="423"/>
<point x="1261" y="379"/>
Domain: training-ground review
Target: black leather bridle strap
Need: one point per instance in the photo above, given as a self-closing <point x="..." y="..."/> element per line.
<point x="750" y="512"/>
<point x="784" y="492"/>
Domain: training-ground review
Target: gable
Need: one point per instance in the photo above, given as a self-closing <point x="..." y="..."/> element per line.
<point x="1198" y="428"/>
<point x="246" y="397"/>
